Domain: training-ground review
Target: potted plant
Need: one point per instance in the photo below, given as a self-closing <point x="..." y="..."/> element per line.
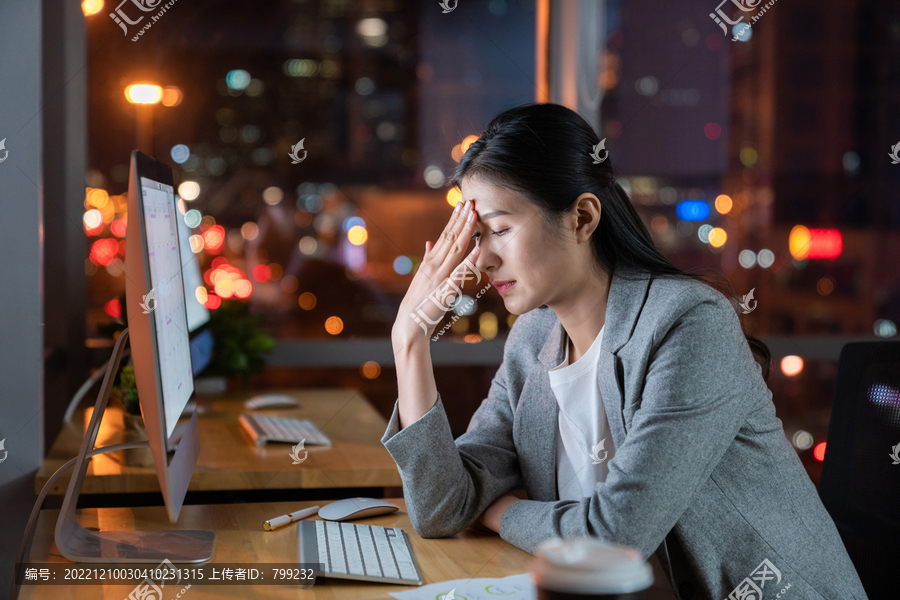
<point x="240" y="342"/>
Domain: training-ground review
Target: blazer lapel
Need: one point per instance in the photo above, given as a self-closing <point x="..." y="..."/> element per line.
<point x="538" y="422"/>
<point x="539" y="412"/>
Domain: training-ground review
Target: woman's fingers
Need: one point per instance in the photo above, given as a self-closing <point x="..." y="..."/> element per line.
<point x="467" y="225"/>
<point x="451" y="233"/>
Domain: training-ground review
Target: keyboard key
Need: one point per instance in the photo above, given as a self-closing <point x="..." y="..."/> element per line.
<point x="335" y="548"/>
<point x="322" y="545"/>
<point x="351" y="546"/>
<point x="404" y="560"/>
<point x="369" y="554"/>
<point x="384" y="553"/>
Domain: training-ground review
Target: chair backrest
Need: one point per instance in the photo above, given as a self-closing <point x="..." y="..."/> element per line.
<point x="860" y="483"/>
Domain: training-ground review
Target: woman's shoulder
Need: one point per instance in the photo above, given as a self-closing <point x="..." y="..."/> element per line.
<point x="680" y="293"/>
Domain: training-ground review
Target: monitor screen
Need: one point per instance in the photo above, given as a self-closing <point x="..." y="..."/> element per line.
<point x="167" y="290"/>
<point x="197" y="314"/>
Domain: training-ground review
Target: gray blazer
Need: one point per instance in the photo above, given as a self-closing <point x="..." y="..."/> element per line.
<point x="703" y="474"/>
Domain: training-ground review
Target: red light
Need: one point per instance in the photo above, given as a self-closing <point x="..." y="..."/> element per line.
<point x="103" y="251"/>
<point x="825" y="243"/>
<point x="712" y="130"/>
<point x="113" y="308"/>
<point x="95" y="231"/>
<point x="118" y="228"/>
<point x="212" y="302"/>
<point x="122" y="247"/>
<point x="262" y="273"/>
<point x="218" y="261"/>
<point x="243" y="288"/>
<point x="819" y="451"/>
<point x="214" y="238"/>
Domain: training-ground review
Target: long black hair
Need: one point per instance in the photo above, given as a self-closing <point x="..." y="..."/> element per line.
<point x="543" y="151"/>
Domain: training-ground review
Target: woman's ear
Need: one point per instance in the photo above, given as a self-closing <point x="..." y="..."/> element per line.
<point x="587" y="213"/>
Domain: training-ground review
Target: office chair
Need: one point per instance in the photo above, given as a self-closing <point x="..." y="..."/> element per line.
<point x="860" y="483"/>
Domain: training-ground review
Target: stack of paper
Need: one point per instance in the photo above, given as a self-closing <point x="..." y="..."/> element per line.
<point x="514" y="587"/>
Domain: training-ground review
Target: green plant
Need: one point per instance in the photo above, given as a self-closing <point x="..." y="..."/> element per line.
<point x="240" y="342"/>
<point x="125" y="390"/>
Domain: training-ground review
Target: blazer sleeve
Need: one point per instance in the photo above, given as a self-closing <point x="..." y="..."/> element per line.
<point x="447" y="484"/>
<point x="697" y="388"/>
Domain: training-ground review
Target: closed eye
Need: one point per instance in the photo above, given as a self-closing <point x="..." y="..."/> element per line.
<point x="477" y="234"/>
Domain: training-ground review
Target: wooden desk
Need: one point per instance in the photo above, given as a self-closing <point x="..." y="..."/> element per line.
<point x="228" y="458"/>
<point x="240" y="538"/>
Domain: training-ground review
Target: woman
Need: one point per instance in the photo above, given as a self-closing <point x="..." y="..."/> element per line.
<point x="628" y="403"/>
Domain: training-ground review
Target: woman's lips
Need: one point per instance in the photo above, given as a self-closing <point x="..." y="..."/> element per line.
<point x="503" y="286"/>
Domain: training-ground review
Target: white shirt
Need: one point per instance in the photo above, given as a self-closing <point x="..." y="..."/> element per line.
<point x="582" y="424"/>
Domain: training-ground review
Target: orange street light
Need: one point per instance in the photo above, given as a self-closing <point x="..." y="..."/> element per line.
<point x="143" y="93"/>
<point x="91" y="7"/>
<point x="144" y="96"/>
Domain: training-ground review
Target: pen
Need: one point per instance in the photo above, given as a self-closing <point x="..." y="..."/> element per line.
<point x="294" y="516"/>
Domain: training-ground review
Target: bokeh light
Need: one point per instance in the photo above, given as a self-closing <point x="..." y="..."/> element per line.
<point x="334" y="325"/>
<point x="802" y="440"/>
<point x="91" y="7"/>
<point x="308" y="245"/>
<point x="262" y="273"/>
<point x="402" y="265"/>
<point x="712" y="130"/>
<point x="692" y="210"/>
<point x="196" y="242"/>
<point x="272" y="195"/>
<point x="819" y="451"/>
<point x="237" y="79"/>
<point x="249" y="230"/>
<point x="717" y="237"/>
<point x="825" y="286"/>
<point x="189" y="190"/>
<point x="172" y="96"/>
<point x="180" y="153"/>
<point x="93" y="219"/>
<point x="885" y="328"/>
<point x="747" y="259"/>
<point x="791" y="365"/>
<point x="370" y="370"/>
<point x="113" y="308"/>
<point x="434" y="177"/>
<point x="192" y="218"/>
<point x="765" y="258"/>
<point x="143" y="93"/>
<point x="454" y="196"/>
<point x="724" y="204"/>
<point x="357" y="235"/>
<point x="307" y="301"/>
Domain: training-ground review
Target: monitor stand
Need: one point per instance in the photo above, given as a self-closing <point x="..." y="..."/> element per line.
<point x="80" y="545"/>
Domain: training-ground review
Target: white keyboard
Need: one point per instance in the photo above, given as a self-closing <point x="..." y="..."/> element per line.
<point x="354" y="551"/>
<point x="264" y="429"/>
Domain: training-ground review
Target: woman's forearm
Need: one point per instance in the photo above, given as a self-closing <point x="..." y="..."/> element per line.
<point x="416" y="389"/>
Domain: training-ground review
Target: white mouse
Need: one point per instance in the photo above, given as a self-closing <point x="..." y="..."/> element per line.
<point x="270" y="401"/>
<point x="356" y="508"/>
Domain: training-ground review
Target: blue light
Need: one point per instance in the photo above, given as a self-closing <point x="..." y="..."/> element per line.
<point x="692" y="210"/>
<point x="742" y="32"/>
<point x="352" y="222"/>
<point x="180" y="153"/>
<point x="237" y="79"/>
<point x="402" y="265"/>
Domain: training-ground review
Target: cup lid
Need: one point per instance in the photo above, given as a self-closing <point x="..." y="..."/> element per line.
<point x="588" y="565"/>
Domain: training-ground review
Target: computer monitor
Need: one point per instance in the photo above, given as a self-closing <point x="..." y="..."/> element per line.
<point x="160" y="340"/>
<point x="158" y="333"/>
